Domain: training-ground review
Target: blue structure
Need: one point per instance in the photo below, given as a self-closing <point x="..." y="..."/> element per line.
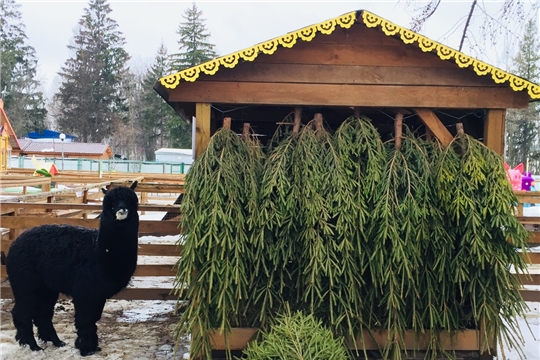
<point x="47" y="134"/>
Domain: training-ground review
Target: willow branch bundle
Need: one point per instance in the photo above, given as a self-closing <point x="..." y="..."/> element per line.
<point x="435" y="309"/>
<point x="478" y="199"/>
<point x="216" y="266"/>
<point x="401" y="221"/>
<point x="356" y="174"/>
<point x="278" y="226"/>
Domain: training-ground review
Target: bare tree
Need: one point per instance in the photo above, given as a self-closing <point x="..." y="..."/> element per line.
<point x="508" y="21"/>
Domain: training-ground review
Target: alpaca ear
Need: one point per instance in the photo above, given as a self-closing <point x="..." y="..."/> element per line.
<point x="103" y="190"/>
<point x="519" y="167"/>
<point x="134" y="185"/>
<point x="506" y="166"/>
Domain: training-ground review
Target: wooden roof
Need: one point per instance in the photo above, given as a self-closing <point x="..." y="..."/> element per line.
<point x="6" y="125"/>
<point x="70" y="149"/>
<point x="356" y="18"/>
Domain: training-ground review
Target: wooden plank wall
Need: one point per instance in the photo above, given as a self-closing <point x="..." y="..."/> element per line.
<point x="355" y="67"/>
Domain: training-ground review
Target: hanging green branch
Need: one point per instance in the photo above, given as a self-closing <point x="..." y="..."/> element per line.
<point x="476" y="196"/>
<point x="359" y="158"/>
<point x="216" y="266"/>
<point x="396" y="256"/>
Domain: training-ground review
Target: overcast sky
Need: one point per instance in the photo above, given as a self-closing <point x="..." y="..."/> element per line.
<point x="233" y="26"/>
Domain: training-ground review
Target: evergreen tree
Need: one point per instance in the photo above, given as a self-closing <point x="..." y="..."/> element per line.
<point x="194" y="49"/>
<point x="156" y="114"/>
<point x="91" y="96"/>
<point x="522" y="124"/>
<point x="23" y="101"/>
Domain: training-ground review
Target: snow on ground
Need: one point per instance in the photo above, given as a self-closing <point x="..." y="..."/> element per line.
<point x="128" y="329"/>
<point x="142" y="329"/>
<point x="530" y="333"/>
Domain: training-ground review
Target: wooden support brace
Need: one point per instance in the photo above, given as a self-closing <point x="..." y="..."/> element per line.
<point x="434" y="124"/>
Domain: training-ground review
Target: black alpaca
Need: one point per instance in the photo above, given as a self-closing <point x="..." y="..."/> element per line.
<point x="90" y="265"/>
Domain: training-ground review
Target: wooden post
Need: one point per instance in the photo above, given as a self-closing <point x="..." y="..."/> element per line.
<point x="494" y="130"/>
<point x="202" y="130"/>
<point x="297" y="119"/>
<point x="318" y="120"/>
<point x="85" y="201"/>
<point x="245" y="131"/>
<point x="398" y="124"/>
<point x="227" y="123"/>
<point x="429" y="134"/>
<point x="459" y="128"/>
<point x="144" y="200"/>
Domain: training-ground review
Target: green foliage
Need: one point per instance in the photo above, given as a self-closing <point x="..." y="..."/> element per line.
<point x="297" y="336"/>
<point x="194" y="49"/>
<point x="90" y="101"/>
<point x="23" y="101"/>
<point x="219" y="251"/>
<point x="359" y="234"/>
<point x="477" y="198"/>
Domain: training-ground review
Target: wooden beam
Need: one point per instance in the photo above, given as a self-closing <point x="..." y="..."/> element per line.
<point x="530" y="295"/>
<point x="146" y="227"/>
<point x="531" y="258"/>
<point x="455" y="97"/>
<point x="202" y="133"/>
<point x="126" y="294"/>
<point x="435" y="126"/>
<point x="9" y="206"/>
<point x="354" y="74"/>
<point x="494" y="130"/>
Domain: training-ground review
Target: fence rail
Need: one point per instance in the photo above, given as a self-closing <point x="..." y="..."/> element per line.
<point x="25" y="211"/>
<point x="82" y="164"/>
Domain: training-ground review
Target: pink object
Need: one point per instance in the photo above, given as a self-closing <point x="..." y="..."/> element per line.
<point x="527" y="181"/>
<point x="514" y="175"/>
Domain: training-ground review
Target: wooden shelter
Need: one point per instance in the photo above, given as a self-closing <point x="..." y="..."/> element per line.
<point x="357" y="62"/>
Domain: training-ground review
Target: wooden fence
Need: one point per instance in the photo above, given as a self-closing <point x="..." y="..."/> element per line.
<point x="78" y="204"/>
<point x="72" y="206"/>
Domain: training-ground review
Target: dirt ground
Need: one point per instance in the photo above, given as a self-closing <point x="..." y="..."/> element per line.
<point x="127" y="330"/>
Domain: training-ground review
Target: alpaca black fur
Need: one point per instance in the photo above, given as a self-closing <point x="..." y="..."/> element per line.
<point x="90" y="265"/>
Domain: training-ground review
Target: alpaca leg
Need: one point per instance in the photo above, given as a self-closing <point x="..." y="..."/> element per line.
<point x="87" y="313"/>
<point x="43" y="315"/>
<point x="22" y="319"/>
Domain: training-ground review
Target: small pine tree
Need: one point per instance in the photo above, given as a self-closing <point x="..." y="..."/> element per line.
<point x="91" y="102"/>
<point x="23" y="100"/>
<point x="194" y="48"/>
<point x="297" y="337"/>
<point x="522" y="124"/>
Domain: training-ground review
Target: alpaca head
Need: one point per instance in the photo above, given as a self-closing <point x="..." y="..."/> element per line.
<point x="120" y="202"/>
